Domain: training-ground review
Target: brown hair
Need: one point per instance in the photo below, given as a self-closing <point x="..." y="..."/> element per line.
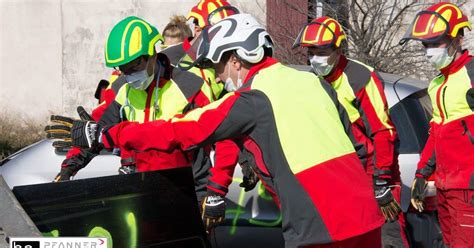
<point x="177" y="28"/>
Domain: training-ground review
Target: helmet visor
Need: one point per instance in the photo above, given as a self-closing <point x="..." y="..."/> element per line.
<point x="198" y="52"/>
<point x="315" y="34"/>
<point x="428" y="27"/>
<point x="220" y="13"/>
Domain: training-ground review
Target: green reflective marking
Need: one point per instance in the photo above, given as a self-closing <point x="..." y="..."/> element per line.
<point x="132" y="225"/>
<point x="53" y="233"/>
<point x="265" y="223"/>
<point x="101" y="232"/>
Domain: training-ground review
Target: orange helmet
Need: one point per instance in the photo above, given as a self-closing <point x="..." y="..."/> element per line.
<point x="209" y="12"/>
<point x="435" y="22"/>
<point x="321" y="32"/>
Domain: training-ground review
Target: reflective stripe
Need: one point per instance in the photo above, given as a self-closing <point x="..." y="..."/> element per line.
<point x="375" y="98"/>
<point x="313" y="152"/>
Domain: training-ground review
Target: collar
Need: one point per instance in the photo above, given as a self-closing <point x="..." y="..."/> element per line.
<point x="338" y="70"/>
<point x="457" y="64"/>
<point x="266" y="62"/>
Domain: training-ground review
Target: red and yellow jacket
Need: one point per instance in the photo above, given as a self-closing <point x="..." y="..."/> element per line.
<point x="300" y="139"/>
<point x="449" y="151"/>
<point x="361" y="92"/>
<point x="160" y="101"/>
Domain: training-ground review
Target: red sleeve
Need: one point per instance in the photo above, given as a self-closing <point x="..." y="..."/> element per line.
<point x="109" y="97"/>
<point x="226" y="158"/>
<point x="71" y="153"/>
<point x="229" y="117"/>
<point x="377" y="120"/>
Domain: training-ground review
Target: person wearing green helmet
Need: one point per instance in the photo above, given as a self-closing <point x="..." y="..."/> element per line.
<point x="148" y="94"/>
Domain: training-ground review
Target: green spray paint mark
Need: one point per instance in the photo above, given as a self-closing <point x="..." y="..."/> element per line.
<point x="239" y="210"/>
<point x="53" y="233"/>
<point x="263" y="193"/>
<point x="100" y="232"/>
<point x="265" y="223"/>
<point x="266" y="196"/>
<point x="132" y="225"/>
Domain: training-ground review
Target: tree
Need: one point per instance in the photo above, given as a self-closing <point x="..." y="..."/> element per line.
<point x="373" y="28"/>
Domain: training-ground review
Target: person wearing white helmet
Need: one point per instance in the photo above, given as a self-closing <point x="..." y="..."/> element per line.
<point x="291" y="123"/>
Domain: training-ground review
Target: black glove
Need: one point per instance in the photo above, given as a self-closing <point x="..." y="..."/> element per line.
<point x="387" y="203"/>
<point x="418" y="193"/>
<point x="127" y="169"/>
<point x="66" y="173"/>
<point x="212" y="210"/>
<point x="84" y="134"/>
<point x="62" y="128"/>
<point x="250" y="178"/>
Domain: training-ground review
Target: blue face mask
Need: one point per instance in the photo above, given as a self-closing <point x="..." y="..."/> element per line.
<point x="140" y="80"/>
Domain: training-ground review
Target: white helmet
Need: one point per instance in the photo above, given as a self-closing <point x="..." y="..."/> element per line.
<point x="240" y="32"/>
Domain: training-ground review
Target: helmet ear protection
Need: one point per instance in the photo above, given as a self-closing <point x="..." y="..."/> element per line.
<point x="256" y="55"/>
<point x="252" y="57"/>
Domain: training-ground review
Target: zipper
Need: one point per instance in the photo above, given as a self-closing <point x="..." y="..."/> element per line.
<point x="444" y="103"/>
<point x="438" y="100"/>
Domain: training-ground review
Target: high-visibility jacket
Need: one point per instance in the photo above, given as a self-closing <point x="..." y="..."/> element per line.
<point x="449" y="151"/>
<point x="300" y="139"/>
<point x="361" y="92"/>
<point x="171" y="97"/>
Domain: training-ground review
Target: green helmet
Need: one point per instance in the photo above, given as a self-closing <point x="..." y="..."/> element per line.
<point x="129" y="39"/>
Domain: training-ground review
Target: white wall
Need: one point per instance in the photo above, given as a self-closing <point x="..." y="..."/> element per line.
<point x="52" y="50"/>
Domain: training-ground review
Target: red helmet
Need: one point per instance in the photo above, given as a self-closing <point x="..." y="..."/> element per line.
<point x="435" y="22"/>
<point x="321" y="32"/>
<point x="209" y="12"/>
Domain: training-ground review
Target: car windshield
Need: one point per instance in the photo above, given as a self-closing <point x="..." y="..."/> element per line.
<point x="411" y="117"/>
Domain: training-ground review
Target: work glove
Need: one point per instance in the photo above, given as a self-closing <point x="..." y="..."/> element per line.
<point x="66" y="173"/>
<point x="250" y="178"/>
<point x="79" y="133"/>
<point x="127" y="169"/>
<point x="387" y="203"/>
<point x="418" y="193"/>
<point x="212" y="210"/>
<point x="61" y="129"/>
<point x="129" y="166"/>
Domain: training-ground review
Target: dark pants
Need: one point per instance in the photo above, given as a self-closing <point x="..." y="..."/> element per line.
<point x="393" y="234"/>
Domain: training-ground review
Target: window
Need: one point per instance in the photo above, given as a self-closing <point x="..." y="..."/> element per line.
<point x="411" y="118"/>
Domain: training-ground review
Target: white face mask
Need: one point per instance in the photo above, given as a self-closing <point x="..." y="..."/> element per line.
<point x="229" y="83"/>
<point x="140" y="80"/>
<point x="439" y="57"/>
<point x="320" y="65"/>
